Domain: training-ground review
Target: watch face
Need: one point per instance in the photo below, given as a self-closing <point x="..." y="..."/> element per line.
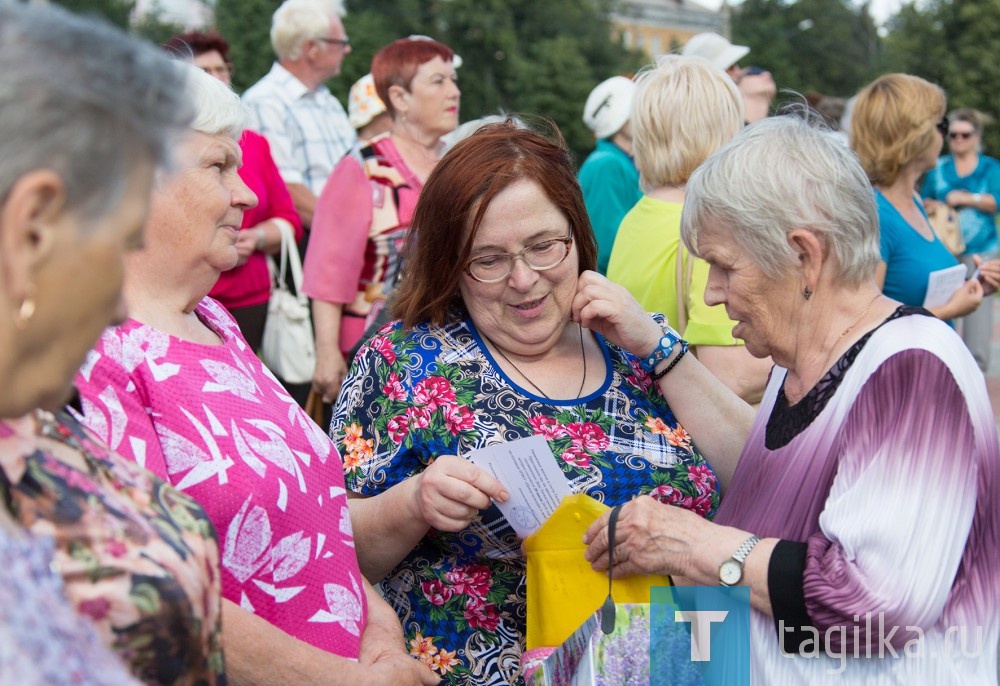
<point x="730" y="572"/>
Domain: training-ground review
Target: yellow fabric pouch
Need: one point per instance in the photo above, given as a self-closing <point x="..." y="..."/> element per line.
<point x="563" y="590"/>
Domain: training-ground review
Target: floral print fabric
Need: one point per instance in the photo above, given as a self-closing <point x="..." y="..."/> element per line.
<point x="216" y="423"/>
<point x="137" y="557"/>
<point x="413" y="395"/>
<point x="43" y="642"/>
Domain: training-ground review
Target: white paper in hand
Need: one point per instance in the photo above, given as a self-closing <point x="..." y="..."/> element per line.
<point x="943" y="283"/>
<point x="529" y="471"/>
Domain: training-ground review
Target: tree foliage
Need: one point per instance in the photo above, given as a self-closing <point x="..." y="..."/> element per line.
<point x="246" y="24"/>
<point x="953" y="43"/>
<point x="828" y="46"/>
<point x="116" y="12"/>
<point x="518" y="56"/>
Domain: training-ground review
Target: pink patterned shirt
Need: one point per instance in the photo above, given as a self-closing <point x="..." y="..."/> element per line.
<point x="216" y="424"/>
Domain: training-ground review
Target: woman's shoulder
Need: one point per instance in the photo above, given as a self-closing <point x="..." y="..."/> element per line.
<point x="423" y="336"/>
<point x="214" y="315"/>
<point x="916" y="329"/>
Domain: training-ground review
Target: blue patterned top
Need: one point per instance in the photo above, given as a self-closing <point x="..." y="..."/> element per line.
<point x="413" y="395"/>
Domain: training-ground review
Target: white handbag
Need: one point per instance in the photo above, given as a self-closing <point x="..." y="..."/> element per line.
<point x="288" y="348"/>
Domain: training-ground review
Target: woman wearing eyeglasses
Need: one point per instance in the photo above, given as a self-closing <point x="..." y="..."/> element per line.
<point x="487" y="352"/>
<point x="969" y="182"/>
<point x="897" y="129"/>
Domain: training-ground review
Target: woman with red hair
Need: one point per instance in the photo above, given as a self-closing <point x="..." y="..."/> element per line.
<point x="363" y="214"/>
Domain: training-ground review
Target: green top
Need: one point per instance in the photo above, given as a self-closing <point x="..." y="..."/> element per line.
<point x="644" y="260"/>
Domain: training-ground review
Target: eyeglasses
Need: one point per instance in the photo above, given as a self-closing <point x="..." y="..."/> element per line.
<point x="942" y="125"/>
<point x="342" y="42"/>
<point x="964" y="135"/>
<point x="538" y="256"/>
<point x="225" y="70"/>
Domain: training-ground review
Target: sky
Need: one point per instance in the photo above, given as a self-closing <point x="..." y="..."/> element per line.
<point x="881" y="9"/>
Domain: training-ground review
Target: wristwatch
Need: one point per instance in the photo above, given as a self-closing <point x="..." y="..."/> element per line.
<point x="662" y="350"/>
<point x="731" y="571"/>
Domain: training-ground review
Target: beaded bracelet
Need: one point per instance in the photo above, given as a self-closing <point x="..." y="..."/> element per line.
<point x="684" y="348"/>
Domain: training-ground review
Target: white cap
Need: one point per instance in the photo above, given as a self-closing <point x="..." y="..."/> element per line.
<point x="608" y="106"/>
<point x="715" y="49"/>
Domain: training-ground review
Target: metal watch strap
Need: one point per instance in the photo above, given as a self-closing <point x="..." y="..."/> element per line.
<point x="741" y="553"/>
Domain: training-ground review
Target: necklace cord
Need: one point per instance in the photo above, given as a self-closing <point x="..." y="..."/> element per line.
<point x="583" y="354"/>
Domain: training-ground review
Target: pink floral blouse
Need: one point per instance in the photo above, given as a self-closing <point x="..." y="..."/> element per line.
<point x="213" y="421"/>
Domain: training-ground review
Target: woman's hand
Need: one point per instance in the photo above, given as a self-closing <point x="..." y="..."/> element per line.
<point x="650" y="538"/>
<point x="962" y="302"/>
<point x="960" y="199"/>
<point x="329" y="375"/>
<point x="383" y="648"/>
<point x="610" y="310"/>
<point x="989" y="274"/>
<point x="246" y="245"/>
<point x="450" y="493"/>
<point x="402" y="670"/>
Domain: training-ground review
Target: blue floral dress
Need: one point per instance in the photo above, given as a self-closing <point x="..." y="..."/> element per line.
<point x="413" y="395"/>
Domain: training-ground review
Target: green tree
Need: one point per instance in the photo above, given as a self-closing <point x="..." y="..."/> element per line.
<point x="519" y="56"/>
<point x="246" y="24"/>
<point x="952" y="43"/>
<point x="117" y="12"/>
<point x="829" y="46"/>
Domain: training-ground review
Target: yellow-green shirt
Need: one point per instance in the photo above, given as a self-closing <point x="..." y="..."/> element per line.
<point x="644" y="260"/>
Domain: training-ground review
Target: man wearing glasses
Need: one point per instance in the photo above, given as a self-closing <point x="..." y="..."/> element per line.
<point x="305" y="124"/>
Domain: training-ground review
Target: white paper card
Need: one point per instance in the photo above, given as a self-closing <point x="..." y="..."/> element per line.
<point x="943" y="283"/>
<point x="529" y="471"/>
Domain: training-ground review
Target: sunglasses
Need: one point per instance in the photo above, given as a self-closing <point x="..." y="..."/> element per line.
<point x="942" y="126"/>
<point x="964" y="135"/>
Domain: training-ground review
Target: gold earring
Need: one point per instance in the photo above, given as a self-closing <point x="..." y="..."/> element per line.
<point x="25" y="312"/>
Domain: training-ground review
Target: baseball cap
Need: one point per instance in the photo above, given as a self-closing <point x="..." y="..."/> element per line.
<point x="608" y="106"/>
<point x="715" y="49"/>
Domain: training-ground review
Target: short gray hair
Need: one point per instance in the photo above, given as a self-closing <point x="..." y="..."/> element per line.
<point x="780" y="174"/>
<point x="82" y="99"/>
<point x="218" y="109"/>
<point x="297" y="21"/>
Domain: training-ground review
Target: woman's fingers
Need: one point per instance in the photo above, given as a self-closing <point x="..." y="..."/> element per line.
<point x="453" y="491"/>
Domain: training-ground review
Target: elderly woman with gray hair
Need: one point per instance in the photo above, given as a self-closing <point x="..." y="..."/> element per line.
<point x="176" y="388"/>
<point x="86" y="117"/>
<point x="860" y="511"/>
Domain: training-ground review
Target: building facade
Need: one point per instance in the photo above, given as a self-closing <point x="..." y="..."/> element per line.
<point x="662" y="26"/>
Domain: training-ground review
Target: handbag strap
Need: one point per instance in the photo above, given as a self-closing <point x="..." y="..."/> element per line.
<point x="608" y="609"/>
<point x="290" y="260"/>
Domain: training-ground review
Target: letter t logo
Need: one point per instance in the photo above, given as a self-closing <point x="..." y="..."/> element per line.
<point x="701" y="630"/>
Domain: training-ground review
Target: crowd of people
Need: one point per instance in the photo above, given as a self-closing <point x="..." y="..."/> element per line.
<point x="719" y="323"/>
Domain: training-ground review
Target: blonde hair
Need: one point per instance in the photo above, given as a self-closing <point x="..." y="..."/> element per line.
<point x="893" y="123"/>
<point x="685" y="108"/>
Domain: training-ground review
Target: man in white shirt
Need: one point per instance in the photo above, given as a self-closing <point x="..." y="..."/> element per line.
<point x="306" y="126"/>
